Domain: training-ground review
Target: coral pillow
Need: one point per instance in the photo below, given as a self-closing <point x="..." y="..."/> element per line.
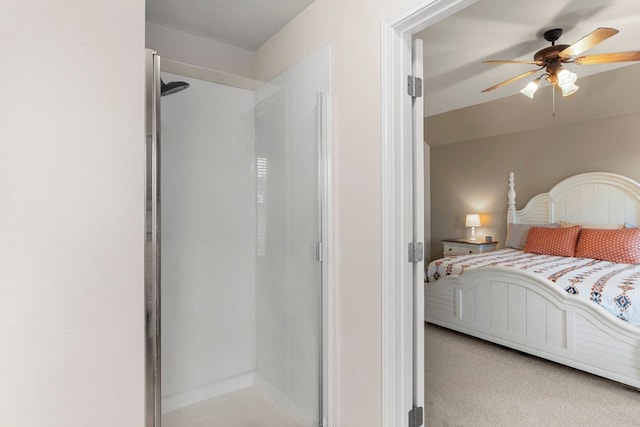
<point x="553" y="241"/>
<point x="621" y="245"/>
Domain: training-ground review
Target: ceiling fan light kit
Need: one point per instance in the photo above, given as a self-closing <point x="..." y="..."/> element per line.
<point x="566" y="81"/>
<point x="531" y="88"/>
<point x="552" y="58"/>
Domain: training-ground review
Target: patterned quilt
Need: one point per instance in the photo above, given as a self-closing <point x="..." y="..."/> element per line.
<point x="615" y="287"/>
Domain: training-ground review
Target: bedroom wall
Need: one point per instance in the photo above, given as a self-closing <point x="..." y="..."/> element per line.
<point x="353" y="30"/>
<point x="427" y="201"/>
<point x="197" y="50"/>
<point x="72" y="213"/>
<point x="472" y="176"/>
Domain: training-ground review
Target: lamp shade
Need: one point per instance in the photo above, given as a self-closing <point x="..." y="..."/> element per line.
<point x="566" y="80"/>
<point x="531" y="88"/>
<point x="473" y="220"/>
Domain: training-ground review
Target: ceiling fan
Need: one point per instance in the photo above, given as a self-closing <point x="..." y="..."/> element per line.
<point x="553" y="57"/>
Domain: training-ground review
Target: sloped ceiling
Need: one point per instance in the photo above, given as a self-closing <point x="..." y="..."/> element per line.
<point x="613" y="93"/>
<point x="506" y="29"/>
<point x="454" y="49"/>
<point x="242" y="23"/>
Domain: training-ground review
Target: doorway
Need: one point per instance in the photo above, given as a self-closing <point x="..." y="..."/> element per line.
<point x="402" y="145"/>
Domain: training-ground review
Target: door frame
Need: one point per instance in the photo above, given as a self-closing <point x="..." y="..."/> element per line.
<point x="397" y="206"/>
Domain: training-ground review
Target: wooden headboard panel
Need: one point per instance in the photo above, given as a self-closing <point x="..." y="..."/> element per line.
<point x="588" y="198"/>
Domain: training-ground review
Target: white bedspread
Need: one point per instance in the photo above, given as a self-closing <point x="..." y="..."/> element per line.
<point x="615" y="287"/>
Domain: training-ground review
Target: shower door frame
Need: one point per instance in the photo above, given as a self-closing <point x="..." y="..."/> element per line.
<point x="153" y="414"/>
<point x="152" y="283"/>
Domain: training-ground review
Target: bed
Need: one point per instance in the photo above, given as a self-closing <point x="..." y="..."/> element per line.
<point x="539" y="313"/>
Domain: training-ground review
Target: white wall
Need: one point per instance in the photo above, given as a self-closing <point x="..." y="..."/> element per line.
<point x="71" y="213"/>
<point x="353" y="29"/>
<point x="208" y="237"/>
<point x="197" y="50"/>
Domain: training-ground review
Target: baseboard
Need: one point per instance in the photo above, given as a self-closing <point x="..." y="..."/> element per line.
<point x="207" y="391"/>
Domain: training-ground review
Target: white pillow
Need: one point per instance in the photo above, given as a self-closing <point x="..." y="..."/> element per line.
<point x="599" y="226"/>
<point x="517" y="234"/>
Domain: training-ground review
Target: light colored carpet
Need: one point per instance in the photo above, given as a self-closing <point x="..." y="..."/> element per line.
<point x="471" y="382"/>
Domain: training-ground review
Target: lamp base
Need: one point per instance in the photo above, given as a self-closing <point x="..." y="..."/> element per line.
<point x="473" y="234"/>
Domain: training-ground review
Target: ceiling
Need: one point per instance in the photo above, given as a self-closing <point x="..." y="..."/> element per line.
<point x="242" y="23"/>
<point x="506" y="29"/>
<point x="453" y="48"/>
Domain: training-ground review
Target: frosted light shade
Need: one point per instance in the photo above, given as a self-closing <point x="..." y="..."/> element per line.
<point x="530" y="88"/>
<point x="473" y="220"/>
<point x="569" y="89"/>
<point x="566" y="81"/>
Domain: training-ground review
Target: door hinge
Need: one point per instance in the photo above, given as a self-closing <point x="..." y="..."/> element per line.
<point x="319" y="251"/>
<point x="414" y="86"/>
<point x="416" y="417"/>
<point x="416" y="252"/>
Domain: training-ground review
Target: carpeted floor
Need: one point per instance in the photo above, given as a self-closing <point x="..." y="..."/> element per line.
<point x="471" y="382"/>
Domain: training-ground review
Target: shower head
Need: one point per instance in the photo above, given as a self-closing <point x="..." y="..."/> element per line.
<point x="172" y="87"/>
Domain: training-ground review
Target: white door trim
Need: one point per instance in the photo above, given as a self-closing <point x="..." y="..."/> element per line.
<point x="396" y="206"/>
<point x="417" y="331"/>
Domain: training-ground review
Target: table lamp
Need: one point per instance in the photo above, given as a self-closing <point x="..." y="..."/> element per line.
<point x="473" y="221"/>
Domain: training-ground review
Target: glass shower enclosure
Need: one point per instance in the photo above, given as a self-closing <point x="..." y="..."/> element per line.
<point x="235" y="276"/>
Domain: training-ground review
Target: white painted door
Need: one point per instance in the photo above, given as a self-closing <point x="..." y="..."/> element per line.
<point x="418" y="231"/>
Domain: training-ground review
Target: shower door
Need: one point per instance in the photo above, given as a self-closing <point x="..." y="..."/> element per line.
<point x="241" y="294"/>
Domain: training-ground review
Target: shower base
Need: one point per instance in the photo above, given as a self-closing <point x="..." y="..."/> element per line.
<point x="242" y="408"/>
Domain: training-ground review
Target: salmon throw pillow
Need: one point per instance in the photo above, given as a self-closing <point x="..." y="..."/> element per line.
<point x="553" y="241"/>
<point x="620" y="245"/>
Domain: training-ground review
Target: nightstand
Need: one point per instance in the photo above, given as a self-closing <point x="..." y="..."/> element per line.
<point x="466" y="246"/>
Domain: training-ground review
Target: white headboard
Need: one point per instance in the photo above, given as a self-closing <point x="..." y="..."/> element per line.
<point x="588" y="198"/>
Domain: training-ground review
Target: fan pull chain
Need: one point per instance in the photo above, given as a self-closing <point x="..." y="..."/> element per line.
<point x="553" y="97"/>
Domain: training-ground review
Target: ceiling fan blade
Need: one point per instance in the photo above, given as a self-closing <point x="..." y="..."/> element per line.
<point x="513" y="79"/>
<point x="605" y="58"/>
<point x="508" y="61"/>
<point x="587" y="42"/>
